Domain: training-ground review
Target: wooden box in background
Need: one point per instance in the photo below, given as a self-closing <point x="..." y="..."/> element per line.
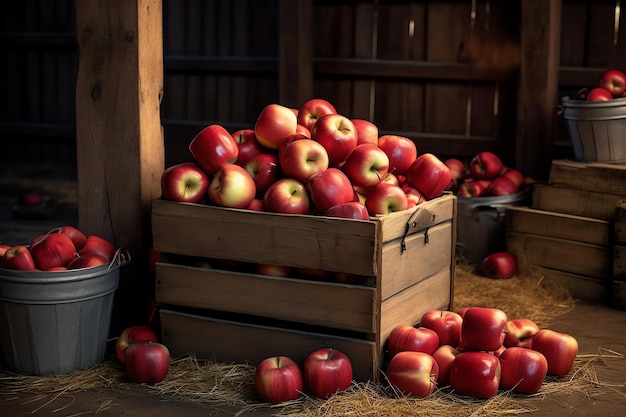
<point x="618" y="289"/>
<point x="401" y="265"/>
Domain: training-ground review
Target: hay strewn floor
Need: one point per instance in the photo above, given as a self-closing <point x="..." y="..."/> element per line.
<point x="190" y="380"/>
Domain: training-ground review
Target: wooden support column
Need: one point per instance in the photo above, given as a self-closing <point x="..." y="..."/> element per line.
<point x="539" y="83"/>
<point x="120" y="150"/>
<point x="295" y="52"/>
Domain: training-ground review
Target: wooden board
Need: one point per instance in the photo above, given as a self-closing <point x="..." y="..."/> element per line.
<point x="595" y="204"/>
<point x="618" y="295"/>
<point x="580" y="286"/>
<point x="619" y="263"/>
<point x="620" y="222"/>
<point x="590" y="176"/>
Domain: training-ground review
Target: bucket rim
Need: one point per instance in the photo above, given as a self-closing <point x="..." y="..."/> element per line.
<point x="487" y="200"/>
<point x="55" y="277"/>
<point x="571" y="102"/>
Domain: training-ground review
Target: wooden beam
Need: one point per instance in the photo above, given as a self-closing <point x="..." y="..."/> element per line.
<point x="538" y="87"/>
<point x="119" y="139"/>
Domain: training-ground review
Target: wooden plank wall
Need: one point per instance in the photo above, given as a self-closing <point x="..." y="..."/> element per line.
<point x="443" y="72"/>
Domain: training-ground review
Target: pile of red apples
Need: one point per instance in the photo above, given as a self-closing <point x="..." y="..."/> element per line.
<point x="612" y="85"/>
<point x="485" y="175"/>
<point x="61" y="249"/>
<point x="311" y="160"/>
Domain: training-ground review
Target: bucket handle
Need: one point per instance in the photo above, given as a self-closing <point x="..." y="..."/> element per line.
<point x="478" y="210"/>
<point x="121" y="257"/>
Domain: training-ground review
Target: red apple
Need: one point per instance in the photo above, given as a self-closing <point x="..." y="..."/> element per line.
<point x="471" y="189"/>
<point x="232" y="186"/>
<point x="416" y="339"/>
<point x="274" y="270"/>
<point x="560" y="350"/>
<point x="247" y="144"/>
<point x="401" y="151"/>
<point x="98" y="245"/>
<point x="350" y="210"/>
<point x="413" y="195"/>
<point x="515" y="175"/>
<point x="147" y="362"/>
<point x="447" y="325"/>
<point x="18" y="257"/>
<point x="385" y="199"/>
<point x="54" y="249"/>
<point x="485" y="166"/>
<point x="327" y="371"/>
<point x="599" y="94"/>
<point x="255" y="205"/>
<point x="301" y="159"/>
<point x="301" y="130"/>
<point x="392" y="179"/>
<point x="429" y="175"/>
<point x="501" y="185"/>
<point x="475" y="374"/>
<point x="458" y="170"/>
<point x="522" y="370"/>
<point x="184" y="182"/>
<point x="77" y="237"/>
<point x="445" y="355"/>
<point x="88" y="260"/>
<point x="329" y="188"/>
<point x="287" y="195"/>
<point x="3" y="249"/>
<point x="312" y="110"/>
<point x="213" y="148"/>
<point x="483" y="328"/>
<point x="366" y="131"/>
<point x="133" y="334"/>
<point x="337" y="135"/>
<point x="499" y="265"/>
<point x="273" y="124"/>
<point x="30" y="199"/>
<point x="366" y="166"/>
<point x="614" y="81"/>
<point x="265" y="170"/>
<point x="278" y="379"/>
<point x="413" y="373"/>
<point x="520" y="333"/>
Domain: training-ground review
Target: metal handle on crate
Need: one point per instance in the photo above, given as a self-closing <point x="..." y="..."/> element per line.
<point x="420" y="219"/>
<point x="121" y="257"/>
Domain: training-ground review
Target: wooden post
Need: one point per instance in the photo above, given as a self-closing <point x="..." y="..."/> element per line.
<point x="539" y="84"/>
<point x="120" y="150"/>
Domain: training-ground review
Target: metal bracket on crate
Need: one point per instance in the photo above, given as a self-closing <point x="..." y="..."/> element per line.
<point x="414" y="223"/>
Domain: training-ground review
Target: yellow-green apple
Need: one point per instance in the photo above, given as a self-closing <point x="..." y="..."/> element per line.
<point x="147" y="362"/>
<point x="366" y="131"/>
<point x="614" y="81"/>
<point x="337" y="134"/>
<point x="515" y="175"/>
<point x="599" y="94"/>
<point x="386" y="198"/>
<point x="485" y="165"/>
<point x="133" y="334"/>
<point x="88" y="260"/>
<point x="501" y="185"/>
<point x="287" y="195"/>
<point x="274" y="270"/>
<point x="213" y="147"/>
<point x="416" y="339"/>
<point x="264" y="170"/>
<point x="413" y="373"/>
<point x="301" y="159"/>
<point x="232" y="186"/>
<point x="350" y="210"/>
<point x="366" y="166"/>
<point x="392" y="179"/>
<point x="77" y="237"/>
<point x="560" y="350"/>
<point x="401" y="151"/>
<point x="273" y="124"/>
<point x="429" y="175"/>
<point x="458" y="170"/>
<point x="447" y="325"/>
<point x="499" y="265"/>
<point x="278" y="379"/>
<point x="54" y="249"/>
<point x="312" y="110"/>
<point x="445" y="355"/>
<point x="247" y="144"/>
<point x="483" y="328"/>
<point x="520" y="332"/>
<point x="98" y="245"/>
<point x="476" y="374"/>
<point x="472" y="188"/>
<point x="184" y="182"/>
<point x="522" y="370"/>
<point x="327" y="371"/>
<point x="329" y="188"/>
<point x="18" y="257"/>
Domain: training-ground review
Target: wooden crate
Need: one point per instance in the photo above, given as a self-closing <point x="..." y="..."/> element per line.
<point x="405" y="259"/>
<point x="574" y="251"/>
<point x="618" y="290"/>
